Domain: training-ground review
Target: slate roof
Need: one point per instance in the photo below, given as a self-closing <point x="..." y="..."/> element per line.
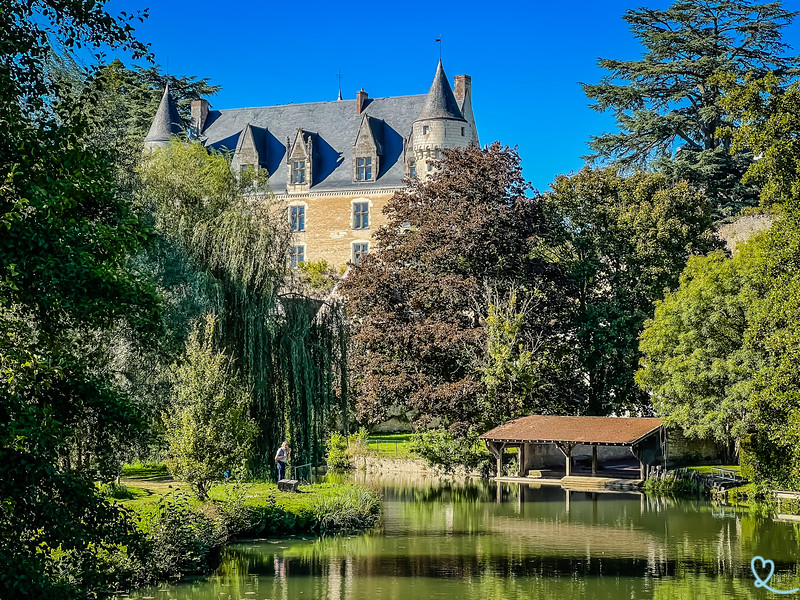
<point x="167" y="122"/>
<point x="585" y="430"/>
<point x="334" y="126"/>
<point x="441" y="102"/>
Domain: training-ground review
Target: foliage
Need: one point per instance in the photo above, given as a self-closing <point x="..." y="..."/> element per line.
<point x="677" y="482"/>
<point x="620" y="243"/>
<point x="720" y="355"/>
<point x="317" y="275"/>
<point x="65" y="280"/>
<point x="694" y="364"/>
<point x="448" y="451"/>
<point x="337" y="452"/>
<point x="290" y="349"/>
<point x="770" y="120"/>
<point x="513" y="369"/>
<point x="209" y="430"/>
<point x="418" y="304"/>
<point x="117" y="491"/>
<point x="673" y="94"/>
<point x="180" y="539"/>
<point x="353" y="509"/>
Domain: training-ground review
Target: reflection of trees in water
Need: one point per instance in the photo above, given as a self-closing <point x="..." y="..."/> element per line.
<point x="457" y="541"/>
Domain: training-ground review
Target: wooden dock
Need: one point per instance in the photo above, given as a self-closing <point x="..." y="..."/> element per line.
<point x="579" y="483"/>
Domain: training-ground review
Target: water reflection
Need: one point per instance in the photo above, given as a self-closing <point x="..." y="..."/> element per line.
<point x="454" y="540"/>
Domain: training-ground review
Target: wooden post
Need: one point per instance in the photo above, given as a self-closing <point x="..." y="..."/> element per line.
<point x="594" y="460"/>
<point x="521" y="459"/>
<point x="642" y="472"/>
<point x="566" y="449"/>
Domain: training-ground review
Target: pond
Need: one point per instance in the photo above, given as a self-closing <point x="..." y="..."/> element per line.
<point x="479" y="539"/>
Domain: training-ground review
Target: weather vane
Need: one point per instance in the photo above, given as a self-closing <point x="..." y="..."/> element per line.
<point x="439" y="40"/>
<point x="339" y="77"/>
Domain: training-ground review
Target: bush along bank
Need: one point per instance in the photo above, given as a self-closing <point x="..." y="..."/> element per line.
<point x="678" y="482"/>
<point x="182" y="536"/>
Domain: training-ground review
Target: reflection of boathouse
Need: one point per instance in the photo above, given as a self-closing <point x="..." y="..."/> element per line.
<point x="555" y="444"/>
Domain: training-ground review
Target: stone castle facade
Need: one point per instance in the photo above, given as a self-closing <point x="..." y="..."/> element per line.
<point x="334" y="164"/>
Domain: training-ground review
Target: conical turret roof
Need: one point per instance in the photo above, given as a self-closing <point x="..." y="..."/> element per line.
<point x="166" y="123"/>
<point x="440" y="103"/>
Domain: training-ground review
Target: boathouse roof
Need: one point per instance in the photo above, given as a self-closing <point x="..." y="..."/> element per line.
<point x="607" y="431"/>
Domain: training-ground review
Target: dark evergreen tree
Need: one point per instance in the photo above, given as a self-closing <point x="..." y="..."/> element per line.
<point x="668" y="104"/>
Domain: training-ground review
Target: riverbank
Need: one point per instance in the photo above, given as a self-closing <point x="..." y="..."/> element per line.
<point x="180" y="535"/>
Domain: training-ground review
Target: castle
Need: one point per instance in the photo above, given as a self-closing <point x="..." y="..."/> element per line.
<point x="335" y="164"/>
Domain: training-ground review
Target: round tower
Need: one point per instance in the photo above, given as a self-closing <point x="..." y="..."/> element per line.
<point x="166" y="123"/>
<point x="439" y="125"/>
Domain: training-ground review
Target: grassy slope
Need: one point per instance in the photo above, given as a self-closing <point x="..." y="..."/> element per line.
<point x="291" y="512"/>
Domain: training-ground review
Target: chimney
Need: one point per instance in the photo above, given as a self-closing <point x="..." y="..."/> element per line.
<point x="199" y="115"/>
<point x="361" y="101"/>
<point x="463" y="89"/>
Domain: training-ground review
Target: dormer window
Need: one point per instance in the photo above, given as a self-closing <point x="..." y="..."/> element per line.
<point x="364" y="169"/>
<point x="361" y="215"/>
<point x="298" y="171"/>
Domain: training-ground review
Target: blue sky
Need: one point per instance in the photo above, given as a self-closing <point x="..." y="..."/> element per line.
<point x="525" y="58"/>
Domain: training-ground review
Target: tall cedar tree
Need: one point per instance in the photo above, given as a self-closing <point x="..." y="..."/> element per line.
<point x="418" y="304"/>
<point x="672" y="97"/>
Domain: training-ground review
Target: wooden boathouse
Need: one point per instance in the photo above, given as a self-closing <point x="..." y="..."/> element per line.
<point x="609" y="439"/>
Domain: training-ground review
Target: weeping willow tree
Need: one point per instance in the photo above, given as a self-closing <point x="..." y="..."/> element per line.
<point x="290" y="349"/>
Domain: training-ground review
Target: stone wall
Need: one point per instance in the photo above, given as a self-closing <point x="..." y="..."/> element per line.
<point x="682" y="450"/>
<point x="329" y="233"/>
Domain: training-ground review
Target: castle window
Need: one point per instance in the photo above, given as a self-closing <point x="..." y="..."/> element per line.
<point x="299" y="171"/>
<point x="430" y="166"/>
<point x="425" y="129"/>
<point x="463" y="129"/>
<point x="412" y="168"/>
<point x="360" y="250"/>
<point x="298" y="255"/>
<point x="297" y="218"/>
<point x="361" y="215"/>
<point x="364" y="169"/>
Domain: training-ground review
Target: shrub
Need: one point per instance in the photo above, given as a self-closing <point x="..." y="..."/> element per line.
<point x="117" y="491"/>
<point x="447" y="452"/>
<point x="208" y="427"/>
<point x="352" y="508"/>
<point x="180" y="539"/>
<point x="338" y="459"/>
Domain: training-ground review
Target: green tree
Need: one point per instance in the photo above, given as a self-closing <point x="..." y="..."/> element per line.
<point x="209" y="430"/>
<point x="620" y="244"/>
<point x="769" y="114"/>
<point x="673" y="95"/>
<point x="515" y="363"/>
<point x="694" y="361"/>
<point x="290" y="348"/>
<point x="65" y="277"/>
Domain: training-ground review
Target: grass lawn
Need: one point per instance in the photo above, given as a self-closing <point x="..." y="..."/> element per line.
<point x="288" y="512"/>
<point x="389" y="445"/>
<point x="706" y="469"/>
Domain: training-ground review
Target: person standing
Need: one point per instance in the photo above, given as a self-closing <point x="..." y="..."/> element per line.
<point x="280" y="459"/>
